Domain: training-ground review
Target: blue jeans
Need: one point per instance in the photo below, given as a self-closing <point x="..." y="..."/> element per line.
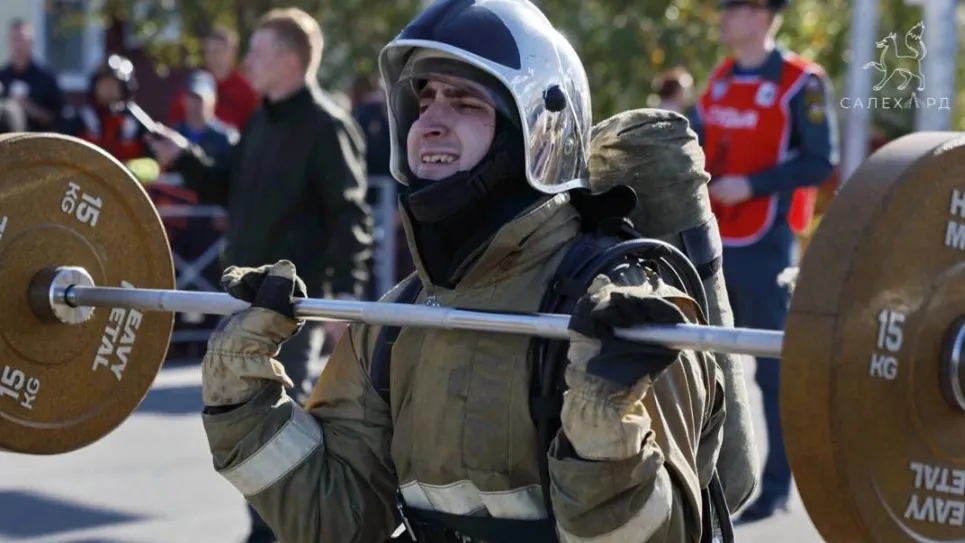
<point x="759" y="301"/>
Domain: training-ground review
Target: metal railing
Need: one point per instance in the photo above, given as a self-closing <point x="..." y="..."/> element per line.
<point x="189" y="271"/>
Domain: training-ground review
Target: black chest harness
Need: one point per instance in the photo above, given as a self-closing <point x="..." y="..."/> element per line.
<point x="596" y="251"/>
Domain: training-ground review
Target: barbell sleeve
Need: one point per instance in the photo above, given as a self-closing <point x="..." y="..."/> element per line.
<point x="764" y="343"/>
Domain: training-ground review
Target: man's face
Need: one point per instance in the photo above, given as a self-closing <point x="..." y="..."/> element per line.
<point x="740" y="24"/>
<point x="197" y="108"/>
<point x="453" y="132"/>
<point x="266" y="62"/>
<point x="218" y="56"/>
<point x="21" y="43"/>
<point x="107" y="90"/>
<point x="683" y="95"/>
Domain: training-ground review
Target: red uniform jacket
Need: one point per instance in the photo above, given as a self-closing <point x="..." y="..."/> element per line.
<point x="746" y="125"/>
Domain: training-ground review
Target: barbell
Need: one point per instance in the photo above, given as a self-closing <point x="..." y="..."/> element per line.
<point x="872" y="376"/>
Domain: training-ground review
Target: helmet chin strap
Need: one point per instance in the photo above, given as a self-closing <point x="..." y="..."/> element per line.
<point x="432" y="201"/>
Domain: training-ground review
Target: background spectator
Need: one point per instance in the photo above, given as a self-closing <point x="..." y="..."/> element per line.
<point x="237" y="99"/>
<point x="200" y="125"/>
<point x="674" y="87"/>
<point x="100" y="122"/>
<point x="763" y="177"/>
<point x="33" y="86"/>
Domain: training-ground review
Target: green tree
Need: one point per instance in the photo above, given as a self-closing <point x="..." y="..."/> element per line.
<point x="624" y="44"/>
<point x="353" y="36"/>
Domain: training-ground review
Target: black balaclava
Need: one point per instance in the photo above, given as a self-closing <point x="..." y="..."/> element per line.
<point x="455" y="216"/>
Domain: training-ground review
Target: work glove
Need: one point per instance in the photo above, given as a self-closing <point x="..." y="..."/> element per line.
<point x="240" y="357"/>
<point x="603" y="414"/>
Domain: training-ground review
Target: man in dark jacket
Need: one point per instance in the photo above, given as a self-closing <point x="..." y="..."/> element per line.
<point x="33" y="86"/>
<point x="294" y="185"/>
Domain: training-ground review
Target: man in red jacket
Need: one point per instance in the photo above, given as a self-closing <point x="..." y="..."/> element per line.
<point x="236" y="99"/>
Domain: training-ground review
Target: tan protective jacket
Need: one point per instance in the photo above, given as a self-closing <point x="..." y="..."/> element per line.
<point x="458" y="436"/>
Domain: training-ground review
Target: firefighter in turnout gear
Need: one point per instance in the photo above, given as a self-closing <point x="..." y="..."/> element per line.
<point x="767" y="126"/>
<point x="440" y="431"/>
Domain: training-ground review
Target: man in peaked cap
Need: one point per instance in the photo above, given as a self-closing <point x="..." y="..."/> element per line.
<point x="767" y="127"/>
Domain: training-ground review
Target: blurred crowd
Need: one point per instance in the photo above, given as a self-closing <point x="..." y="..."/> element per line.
<point x="252" y="162"/>
<point x="210" y="111"/>
<point x="214" y="104"/>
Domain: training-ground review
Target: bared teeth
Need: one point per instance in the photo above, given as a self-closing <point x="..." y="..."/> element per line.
<point x="437" y="159"/>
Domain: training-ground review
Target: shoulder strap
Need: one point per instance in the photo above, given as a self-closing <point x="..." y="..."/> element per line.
<point x="380" y="369"/>
<point x="703" y="246"/>
<point x="589" y="256"/>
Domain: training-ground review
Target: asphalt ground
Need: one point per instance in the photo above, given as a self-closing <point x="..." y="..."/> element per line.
<point x="151" y="481"/>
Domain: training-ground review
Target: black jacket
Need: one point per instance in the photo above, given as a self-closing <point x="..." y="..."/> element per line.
<point x="294" y="188"/>
<point x="42" y="88"/>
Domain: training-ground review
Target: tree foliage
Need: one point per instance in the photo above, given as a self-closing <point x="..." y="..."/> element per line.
<point x="624" y="44"/>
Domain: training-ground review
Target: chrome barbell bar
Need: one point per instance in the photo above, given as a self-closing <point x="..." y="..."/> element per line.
<point x="72" y="288"/>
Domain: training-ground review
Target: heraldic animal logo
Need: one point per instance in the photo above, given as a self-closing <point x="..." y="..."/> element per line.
<point x="913" y="43"/>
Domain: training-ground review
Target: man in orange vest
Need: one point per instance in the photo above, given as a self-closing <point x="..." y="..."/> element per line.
<point x="767" y="127"/>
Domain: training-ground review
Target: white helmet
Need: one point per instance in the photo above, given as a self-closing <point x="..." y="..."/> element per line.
<point x="514" y="44"/>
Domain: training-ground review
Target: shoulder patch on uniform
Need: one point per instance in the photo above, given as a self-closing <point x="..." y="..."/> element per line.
<point x="815" y="99"/>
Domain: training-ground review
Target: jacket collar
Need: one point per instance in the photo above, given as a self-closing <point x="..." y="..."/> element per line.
<point x="289" y="106"/>
<point x="521" y="243"/>
<point x="770" y="69"/>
